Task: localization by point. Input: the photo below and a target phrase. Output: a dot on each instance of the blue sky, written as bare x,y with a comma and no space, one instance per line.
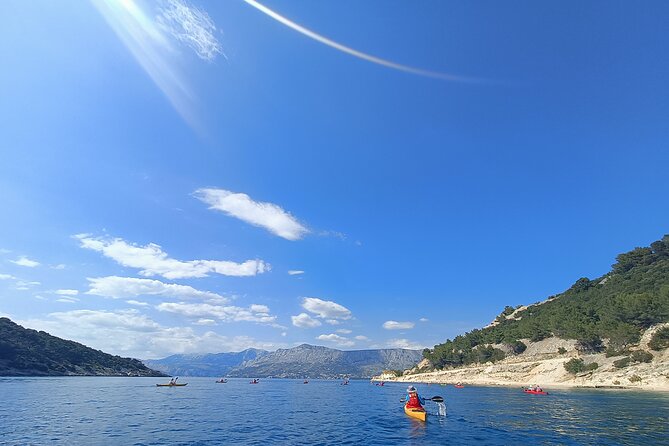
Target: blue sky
165,165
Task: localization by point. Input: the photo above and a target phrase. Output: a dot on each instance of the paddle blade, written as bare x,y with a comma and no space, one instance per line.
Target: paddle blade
437,399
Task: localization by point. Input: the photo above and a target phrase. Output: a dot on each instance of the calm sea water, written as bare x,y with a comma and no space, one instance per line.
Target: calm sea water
126,411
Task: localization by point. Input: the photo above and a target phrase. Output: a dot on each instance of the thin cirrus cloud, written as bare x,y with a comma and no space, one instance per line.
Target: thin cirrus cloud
295,272
67,292
257,213
394,325
353,52
129,287
153,261
25,261
152,32
191,26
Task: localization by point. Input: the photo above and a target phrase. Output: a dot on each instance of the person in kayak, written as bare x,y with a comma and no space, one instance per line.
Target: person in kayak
413,400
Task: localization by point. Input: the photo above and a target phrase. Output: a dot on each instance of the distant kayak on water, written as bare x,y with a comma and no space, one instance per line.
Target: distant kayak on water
222,381
171,385
535,392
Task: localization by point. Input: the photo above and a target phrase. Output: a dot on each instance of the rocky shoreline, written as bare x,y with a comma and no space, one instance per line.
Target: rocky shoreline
542,364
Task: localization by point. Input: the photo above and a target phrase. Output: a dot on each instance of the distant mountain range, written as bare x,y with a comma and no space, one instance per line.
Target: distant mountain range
304,361
25,352
210,364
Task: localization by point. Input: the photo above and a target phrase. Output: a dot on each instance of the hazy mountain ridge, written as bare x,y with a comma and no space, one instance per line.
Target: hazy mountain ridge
26,352
322,362
207,364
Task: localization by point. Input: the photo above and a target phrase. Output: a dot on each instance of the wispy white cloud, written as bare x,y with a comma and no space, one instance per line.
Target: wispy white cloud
67,300
130,333
152,260
257,213
295,272
423,319
340,341
362,338
394,325
151,34
7,277
25,261
67,292
344,331
404,343
59,266
191,26
224,313
129,287
303,320
25,284
326,308
332,321
205,322
137,303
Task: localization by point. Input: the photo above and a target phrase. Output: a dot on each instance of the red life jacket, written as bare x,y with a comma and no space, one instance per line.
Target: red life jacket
413,402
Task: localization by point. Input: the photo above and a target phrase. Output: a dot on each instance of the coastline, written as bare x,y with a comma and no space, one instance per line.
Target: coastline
544,366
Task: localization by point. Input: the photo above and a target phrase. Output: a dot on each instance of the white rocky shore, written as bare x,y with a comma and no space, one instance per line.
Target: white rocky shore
542,364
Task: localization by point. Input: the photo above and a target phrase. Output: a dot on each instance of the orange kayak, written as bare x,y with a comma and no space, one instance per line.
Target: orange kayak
416,412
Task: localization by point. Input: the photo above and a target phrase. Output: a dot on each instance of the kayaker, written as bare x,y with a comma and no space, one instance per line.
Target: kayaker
413,400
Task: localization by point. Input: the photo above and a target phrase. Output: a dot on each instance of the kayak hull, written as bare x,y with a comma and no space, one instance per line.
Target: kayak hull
459,387
535,392
418,414
171,385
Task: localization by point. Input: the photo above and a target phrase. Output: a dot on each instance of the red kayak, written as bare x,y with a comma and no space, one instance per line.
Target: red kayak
459,387
535,392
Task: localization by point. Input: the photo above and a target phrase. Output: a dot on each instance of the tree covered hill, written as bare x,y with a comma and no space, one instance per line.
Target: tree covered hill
25,352
617,306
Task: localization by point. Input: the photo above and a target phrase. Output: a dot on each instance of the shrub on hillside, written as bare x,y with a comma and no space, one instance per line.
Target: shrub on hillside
577,365
562,350
660,339
574,366
641,356
518,347
592,366
590,344
622,362
611,351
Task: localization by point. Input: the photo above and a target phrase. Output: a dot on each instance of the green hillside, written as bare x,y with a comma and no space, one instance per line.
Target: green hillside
617,306
25,352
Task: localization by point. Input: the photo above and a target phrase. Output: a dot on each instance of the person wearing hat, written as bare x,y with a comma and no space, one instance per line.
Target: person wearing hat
413,400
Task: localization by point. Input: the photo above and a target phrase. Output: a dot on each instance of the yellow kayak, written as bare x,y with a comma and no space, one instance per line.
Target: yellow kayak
416,413
171,385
